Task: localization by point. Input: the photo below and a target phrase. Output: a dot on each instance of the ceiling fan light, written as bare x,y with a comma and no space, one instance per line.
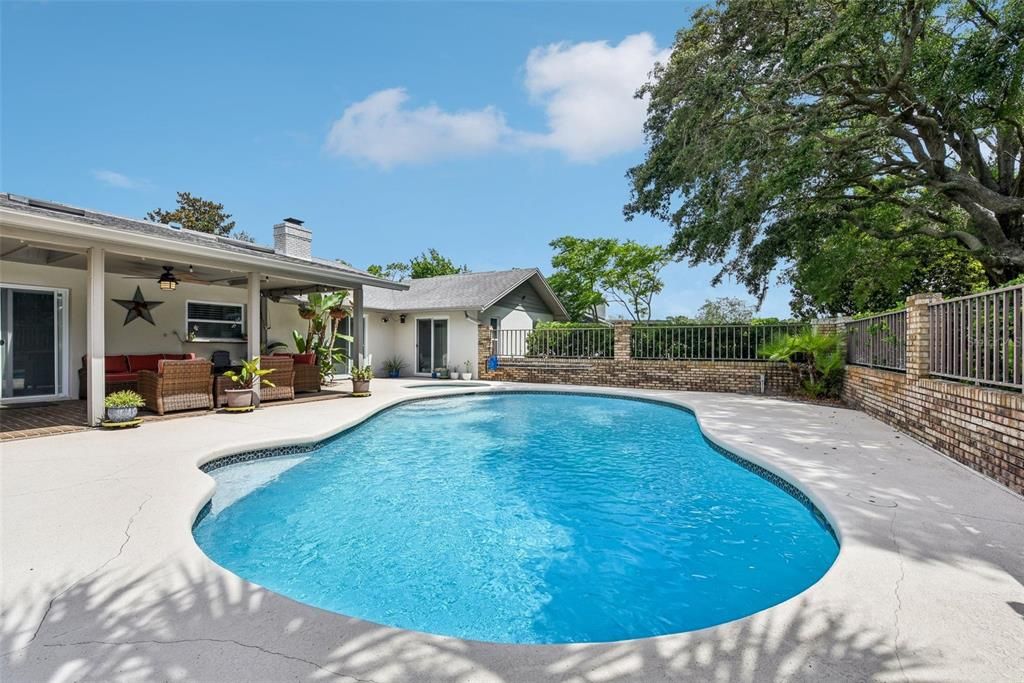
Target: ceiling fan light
167,280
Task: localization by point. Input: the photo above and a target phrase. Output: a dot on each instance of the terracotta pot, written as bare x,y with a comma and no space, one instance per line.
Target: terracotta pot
360,386
339,313
239,398
307,313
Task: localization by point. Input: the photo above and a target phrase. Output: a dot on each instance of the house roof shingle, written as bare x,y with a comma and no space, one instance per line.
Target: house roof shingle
465,291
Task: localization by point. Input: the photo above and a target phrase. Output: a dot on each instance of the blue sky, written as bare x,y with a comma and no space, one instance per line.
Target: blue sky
481,129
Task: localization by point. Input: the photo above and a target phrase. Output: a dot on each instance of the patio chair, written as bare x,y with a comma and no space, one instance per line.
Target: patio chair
307,374
177,385
283,378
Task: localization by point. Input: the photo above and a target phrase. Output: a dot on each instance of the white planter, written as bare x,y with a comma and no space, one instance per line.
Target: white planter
467,376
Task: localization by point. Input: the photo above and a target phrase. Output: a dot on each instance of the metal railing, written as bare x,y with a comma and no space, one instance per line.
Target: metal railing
978,338
556,342
879,341
705,342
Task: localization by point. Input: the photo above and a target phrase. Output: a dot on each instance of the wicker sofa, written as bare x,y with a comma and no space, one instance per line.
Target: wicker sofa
177,385
122,370
282,377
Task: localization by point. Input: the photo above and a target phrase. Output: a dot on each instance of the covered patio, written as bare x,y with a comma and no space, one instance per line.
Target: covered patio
78,288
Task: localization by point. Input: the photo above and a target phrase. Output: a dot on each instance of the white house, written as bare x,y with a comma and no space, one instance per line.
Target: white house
77,285
435,322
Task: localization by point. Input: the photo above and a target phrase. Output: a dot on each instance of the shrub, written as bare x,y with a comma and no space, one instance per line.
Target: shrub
123,399
817,357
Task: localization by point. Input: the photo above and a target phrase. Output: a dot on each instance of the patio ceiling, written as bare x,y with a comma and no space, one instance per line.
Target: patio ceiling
39,252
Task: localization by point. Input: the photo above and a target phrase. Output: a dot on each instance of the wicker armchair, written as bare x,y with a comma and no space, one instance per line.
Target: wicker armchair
307,373
282,377
177,385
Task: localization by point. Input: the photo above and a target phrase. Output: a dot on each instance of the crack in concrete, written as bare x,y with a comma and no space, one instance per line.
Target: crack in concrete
896,594
55,598
273,653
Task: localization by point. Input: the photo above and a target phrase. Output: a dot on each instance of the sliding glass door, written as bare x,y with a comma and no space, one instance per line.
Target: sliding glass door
431,344
33,343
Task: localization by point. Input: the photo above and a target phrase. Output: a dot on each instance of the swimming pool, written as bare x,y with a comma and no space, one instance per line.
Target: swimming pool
520,518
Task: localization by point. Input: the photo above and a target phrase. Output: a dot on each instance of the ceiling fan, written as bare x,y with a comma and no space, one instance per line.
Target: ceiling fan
169,280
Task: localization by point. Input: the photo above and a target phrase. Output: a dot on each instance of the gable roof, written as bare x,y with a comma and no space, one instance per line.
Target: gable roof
465,291
186,238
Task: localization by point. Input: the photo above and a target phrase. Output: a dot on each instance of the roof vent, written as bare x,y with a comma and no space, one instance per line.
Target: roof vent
291,239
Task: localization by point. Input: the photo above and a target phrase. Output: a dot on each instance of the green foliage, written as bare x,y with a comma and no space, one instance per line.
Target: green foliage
394,364
775,124
726,310
849,271
818,358
579,266
322,334
590,272
123,399
428,264
362,373
201,215
431,264
250,372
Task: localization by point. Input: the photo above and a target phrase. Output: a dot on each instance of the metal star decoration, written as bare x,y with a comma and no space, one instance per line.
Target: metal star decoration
138,307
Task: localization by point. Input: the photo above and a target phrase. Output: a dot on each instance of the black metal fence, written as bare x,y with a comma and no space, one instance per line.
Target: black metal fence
879,341
555,342
979,338
706,342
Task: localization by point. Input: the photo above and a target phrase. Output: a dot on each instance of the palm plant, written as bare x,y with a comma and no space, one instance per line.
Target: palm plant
818,359
249,373
322,332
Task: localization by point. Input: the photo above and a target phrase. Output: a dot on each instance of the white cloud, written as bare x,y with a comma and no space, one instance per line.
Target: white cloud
586,90
115,179
381,130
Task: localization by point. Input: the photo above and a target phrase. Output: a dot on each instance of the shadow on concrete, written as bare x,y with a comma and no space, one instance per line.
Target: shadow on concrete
209,625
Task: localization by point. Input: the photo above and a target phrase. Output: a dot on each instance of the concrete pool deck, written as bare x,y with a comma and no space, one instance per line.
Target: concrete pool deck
101,579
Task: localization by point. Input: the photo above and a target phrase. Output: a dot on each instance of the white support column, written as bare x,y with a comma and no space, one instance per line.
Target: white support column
253,324
95,335
359,339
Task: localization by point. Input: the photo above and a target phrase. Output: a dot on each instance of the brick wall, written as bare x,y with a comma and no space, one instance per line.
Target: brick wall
623,371
981,428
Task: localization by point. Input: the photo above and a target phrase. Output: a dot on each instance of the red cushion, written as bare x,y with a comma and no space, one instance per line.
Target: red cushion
121,377
148,362
304,358
116,364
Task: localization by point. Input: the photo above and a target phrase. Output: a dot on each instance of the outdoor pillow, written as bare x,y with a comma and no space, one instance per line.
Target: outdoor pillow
147,362
303,358
114,364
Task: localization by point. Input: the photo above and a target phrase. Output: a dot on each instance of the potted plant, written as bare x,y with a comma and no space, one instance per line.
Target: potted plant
394,366
468,374
306,313
123,406
243,396
362,373
338,313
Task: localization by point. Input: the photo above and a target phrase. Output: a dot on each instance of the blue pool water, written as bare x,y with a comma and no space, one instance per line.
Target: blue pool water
522,518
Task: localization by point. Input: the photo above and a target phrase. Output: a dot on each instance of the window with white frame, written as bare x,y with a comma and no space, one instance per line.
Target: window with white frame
215,321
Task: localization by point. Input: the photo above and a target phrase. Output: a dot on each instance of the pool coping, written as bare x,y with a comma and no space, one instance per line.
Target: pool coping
883,610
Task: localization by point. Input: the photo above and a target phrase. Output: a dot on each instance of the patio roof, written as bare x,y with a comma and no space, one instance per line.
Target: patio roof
61,224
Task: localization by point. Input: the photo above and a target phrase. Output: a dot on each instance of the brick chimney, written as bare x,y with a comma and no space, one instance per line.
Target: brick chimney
291,239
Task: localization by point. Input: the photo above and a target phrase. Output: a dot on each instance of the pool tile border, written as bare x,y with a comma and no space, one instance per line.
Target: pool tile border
302,448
